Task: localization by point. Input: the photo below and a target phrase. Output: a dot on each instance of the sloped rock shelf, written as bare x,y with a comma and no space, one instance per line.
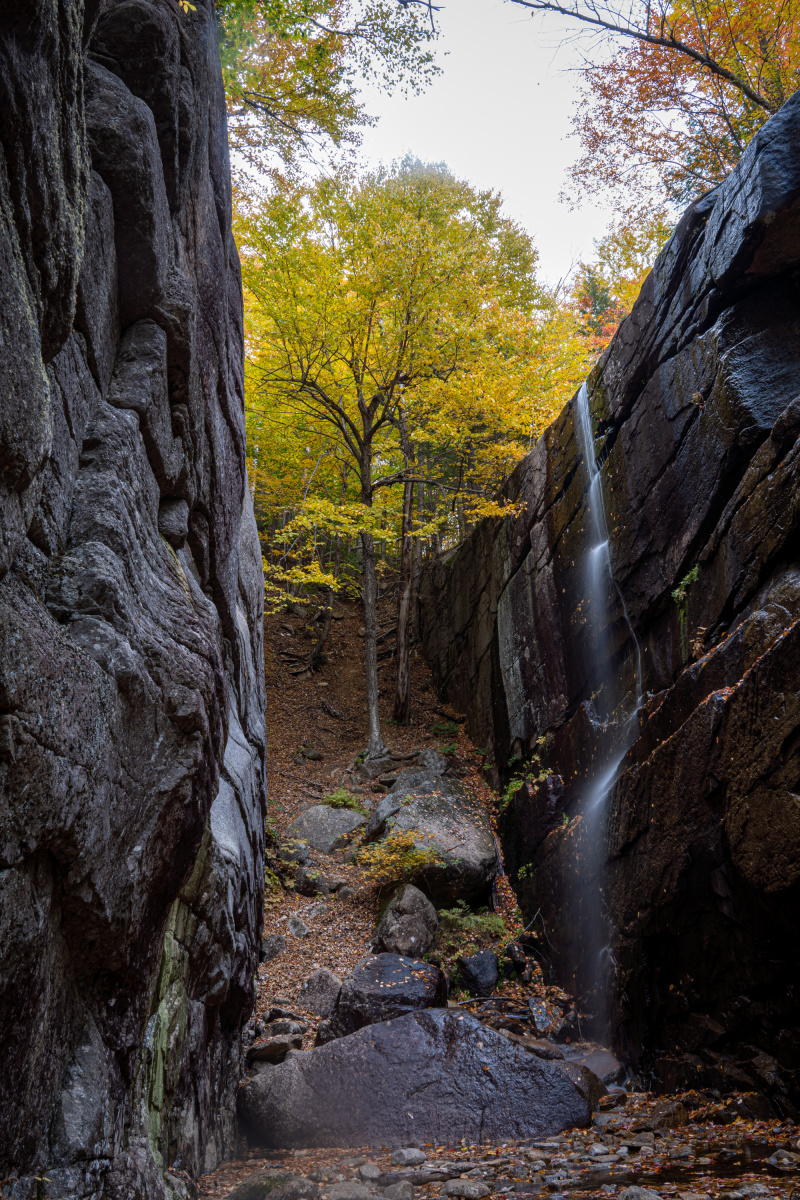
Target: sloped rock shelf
694,414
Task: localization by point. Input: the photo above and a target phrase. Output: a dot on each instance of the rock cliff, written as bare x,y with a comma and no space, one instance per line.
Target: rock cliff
696,415
132,736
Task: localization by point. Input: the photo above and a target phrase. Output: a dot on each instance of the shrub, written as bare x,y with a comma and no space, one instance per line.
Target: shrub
463,932
342,799
398,858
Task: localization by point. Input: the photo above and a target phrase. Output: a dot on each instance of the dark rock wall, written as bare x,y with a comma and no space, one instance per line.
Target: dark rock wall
132,738
696,412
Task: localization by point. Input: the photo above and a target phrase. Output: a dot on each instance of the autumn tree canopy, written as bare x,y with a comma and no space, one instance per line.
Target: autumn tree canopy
684,88
292,69
398,327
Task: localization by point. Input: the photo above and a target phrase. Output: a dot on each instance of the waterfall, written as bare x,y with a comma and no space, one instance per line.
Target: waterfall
613,710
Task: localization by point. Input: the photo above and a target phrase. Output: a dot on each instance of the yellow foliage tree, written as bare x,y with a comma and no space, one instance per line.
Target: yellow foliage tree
398,327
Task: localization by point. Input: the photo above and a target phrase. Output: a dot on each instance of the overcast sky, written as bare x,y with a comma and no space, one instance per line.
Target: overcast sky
499,116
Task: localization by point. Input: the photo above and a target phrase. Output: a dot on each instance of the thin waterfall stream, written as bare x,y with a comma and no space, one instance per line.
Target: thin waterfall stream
615,684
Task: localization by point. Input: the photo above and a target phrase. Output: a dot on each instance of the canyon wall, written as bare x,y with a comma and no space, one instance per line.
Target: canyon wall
132,740
696,415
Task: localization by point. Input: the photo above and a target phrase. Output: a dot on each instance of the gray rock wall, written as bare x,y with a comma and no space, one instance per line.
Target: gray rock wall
132,739
696,416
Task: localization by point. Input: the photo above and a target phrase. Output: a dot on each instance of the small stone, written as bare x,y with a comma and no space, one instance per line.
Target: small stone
336,884
409,1156
598,1148
297,928
465,1189
638,1193
272,946
316,911
399,1191
346,893
369,1172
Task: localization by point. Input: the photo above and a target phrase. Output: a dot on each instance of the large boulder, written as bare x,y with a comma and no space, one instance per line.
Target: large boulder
384,986
432,1076
408,925
456,827
324,828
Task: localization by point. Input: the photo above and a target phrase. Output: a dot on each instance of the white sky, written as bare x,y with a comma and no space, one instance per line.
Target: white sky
499,116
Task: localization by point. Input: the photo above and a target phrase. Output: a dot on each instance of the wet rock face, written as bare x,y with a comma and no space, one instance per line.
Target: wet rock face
131,677
695,416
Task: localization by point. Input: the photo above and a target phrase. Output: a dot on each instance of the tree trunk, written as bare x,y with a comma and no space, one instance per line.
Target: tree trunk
315,656
416,570
375,745
402,699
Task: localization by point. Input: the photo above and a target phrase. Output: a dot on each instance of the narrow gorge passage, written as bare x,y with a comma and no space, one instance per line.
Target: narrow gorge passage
547,945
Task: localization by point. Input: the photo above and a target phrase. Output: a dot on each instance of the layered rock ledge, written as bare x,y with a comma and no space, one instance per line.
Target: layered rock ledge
696,423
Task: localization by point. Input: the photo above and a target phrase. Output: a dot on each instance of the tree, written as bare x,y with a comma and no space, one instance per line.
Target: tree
684,91
399,316
290,70
605,290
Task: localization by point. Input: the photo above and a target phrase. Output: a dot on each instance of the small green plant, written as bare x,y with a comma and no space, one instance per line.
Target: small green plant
463,932
399,858
564,820
342,799
680,595
524,872
444,728
272,888
448,748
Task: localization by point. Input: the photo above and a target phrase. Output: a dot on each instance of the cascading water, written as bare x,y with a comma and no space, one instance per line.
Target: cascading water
615,689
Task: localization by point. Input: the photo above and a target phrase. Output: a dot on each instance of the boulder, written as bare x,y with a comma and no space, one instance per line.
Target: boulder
408,1156
308,881
479,972
466,1189
432,1076
349,1189
324,828
320,992
435,764
457,827
271,946
385,986
408,925
403,1190
294,850
277,1185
